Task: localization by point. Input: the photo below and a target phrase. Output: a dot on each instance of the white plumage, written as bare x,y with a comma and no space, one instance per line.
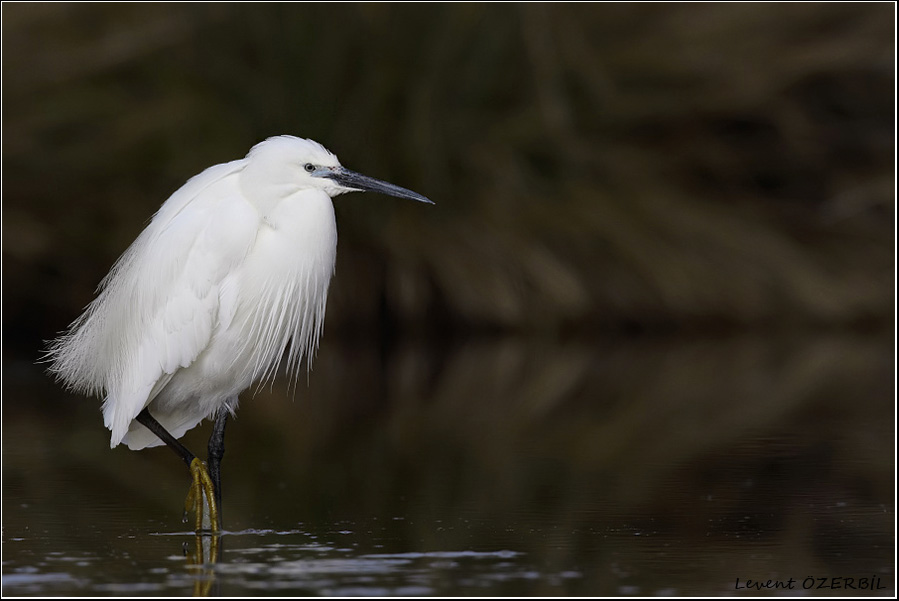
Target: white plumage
232,270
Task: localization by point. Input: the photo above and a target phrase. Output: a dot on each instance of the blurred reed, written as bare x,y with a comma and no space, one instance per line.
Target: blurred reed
620,167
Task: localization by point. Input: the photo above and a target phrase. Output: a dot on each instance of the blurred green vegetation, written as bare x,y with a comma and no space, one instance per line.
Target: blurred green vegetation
595,167
599,170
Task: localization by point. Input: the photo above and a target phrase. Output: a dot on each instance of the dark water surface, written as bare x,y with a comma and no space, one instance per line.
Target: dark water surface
502,467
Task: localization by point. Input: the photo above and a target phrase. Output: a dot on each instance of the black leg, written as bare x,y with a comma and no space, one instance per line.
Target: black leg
216,452
203,492
156,428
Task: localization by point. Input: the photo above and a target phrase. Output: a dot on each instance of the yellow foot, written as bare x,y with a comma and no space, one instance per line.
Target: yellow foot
203,559
201,498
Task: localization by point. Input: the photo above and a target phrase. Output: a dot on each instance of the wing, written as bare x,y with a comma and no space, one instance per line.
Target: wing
159,305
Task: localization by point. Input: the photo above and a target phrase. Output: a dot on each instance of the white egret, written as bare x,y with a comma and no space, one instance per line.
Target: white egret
232,271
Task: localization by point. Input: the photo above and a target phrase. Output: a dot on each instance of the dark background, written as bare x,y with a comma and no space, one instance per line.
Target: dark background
595,167
645,336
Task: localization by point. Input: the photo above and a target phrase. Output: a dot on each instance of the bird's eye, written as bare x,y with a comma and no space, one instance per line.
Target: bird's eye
309,167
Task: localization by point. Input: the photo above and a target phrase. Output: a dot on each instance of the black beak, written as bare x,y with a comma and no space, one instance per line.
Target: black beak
363,183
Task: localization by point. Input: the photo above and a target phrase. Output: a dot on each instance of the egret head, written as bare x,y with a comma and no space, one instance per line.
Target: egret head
292,164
